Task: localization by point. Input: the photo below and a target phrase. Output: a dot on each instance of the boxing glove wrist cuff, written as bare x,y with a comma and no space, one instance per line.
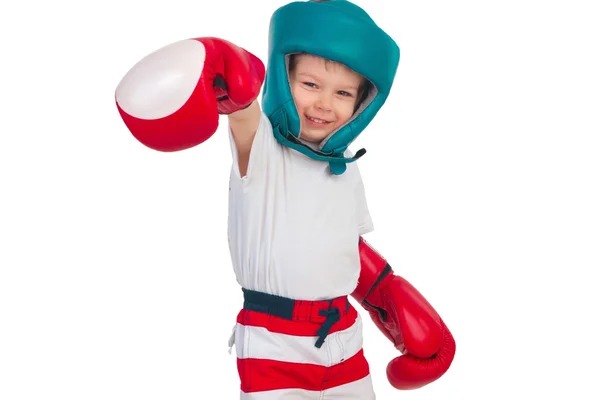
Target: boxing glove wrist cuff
373,270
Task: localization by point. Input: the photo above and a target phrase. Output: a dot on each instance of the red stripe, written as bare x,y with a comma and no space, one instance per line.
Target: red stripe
310,310
258,375
296,328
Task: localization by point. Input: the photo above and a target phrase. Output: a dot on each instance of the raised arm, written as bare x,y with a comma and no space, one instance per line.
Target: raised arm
243,125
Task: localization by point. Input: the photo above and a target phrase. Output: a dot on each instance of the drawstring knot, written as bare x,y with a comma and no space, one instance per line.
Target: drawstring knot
332,315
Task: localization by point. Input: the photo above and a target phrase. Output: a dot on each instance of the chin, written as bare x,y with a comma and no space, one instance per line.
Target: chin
312,138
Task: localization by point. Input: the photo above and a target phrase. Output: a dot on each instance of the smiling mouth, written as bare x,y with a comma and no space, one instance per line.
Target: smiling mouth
317,120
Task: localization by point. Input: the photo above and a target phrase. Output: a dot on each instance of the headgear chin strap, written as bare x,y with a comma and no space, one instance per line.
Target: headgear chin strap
340,31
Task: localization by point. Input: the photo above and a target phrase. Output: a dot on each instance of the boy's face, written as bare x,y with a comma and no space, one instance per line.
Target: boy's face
325,94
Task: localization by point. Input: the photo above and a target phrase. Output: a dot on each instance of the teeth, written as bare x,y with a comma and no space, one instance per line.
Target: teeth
320,121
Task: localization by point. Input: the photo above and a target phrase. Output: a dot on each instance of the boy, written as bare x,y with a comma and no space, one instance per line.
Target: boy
293,231
297,209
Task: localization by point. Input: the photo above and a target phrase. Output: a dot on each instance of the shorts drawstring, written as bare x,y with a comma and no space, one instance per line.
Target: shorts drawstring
332,316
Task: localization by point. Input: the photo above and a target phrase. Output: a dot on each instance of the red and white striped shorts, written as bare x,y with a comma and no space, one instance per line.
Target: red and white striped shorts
300,350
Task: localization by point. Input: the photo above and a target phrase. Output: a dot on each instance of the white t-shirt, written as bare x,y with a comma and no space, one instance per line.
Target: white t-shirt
293,226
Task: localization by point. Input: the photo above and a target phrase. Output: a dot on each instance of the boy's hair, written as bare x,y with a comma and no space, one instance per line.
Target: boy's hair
363,89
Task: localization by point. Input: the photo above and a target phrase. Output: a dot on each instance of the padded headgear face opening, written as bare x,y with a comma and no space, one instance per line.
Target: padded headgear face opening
367,92
336,30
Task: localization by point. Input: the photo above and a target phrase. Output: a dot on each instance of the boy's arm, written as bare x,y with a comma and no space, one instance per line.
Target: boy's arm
243,125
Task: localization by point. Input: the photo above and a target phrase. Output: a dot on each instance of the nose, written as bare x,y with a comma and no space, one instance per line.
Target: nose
323,102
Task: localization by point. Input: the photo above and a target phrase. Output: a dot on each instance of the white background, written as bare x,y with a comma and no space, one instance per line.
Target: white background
482,176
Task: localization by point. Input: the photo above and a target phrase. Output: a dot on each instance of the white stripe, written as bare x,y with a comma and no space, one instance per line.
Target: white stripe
361,389
258,342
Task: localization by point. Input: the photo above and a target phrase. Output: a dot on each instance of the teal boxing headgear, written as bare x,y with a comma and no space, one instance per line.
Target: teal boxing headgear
340,31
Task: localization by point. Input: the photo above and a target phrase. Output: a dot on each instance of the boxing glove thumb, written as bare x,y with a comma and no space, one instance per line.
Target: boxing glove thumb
238,75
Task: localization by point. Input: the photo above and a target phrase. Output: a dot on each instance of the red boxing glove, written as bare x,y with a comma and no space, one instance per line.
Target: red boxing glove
407,319
171,99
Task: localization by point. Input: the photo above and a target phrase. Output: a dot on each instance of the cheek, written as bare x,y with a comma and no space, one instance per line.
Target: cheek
299,97
345,111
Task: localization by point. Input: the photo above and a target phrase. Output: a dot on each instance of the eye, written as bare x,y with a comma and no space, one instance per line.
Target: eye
344,93
310,84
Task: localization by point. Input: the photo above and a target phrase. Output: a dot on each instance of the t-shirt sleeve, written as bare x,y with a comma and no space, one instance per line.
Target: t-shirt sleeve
264,147
363,217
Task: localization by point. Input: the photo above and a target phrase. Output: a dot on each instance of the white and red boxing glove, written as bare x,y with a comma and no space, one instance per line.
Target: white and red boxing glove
405,318
172,98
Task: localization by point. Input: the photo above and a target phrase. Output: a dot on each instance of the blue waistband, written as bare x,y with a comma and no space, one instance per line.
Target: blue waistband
326,311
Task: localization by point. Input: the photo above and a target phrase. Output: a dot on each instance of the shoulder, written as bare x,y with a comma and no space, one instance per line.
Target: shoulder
265,151
264,132
352,169
265,123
